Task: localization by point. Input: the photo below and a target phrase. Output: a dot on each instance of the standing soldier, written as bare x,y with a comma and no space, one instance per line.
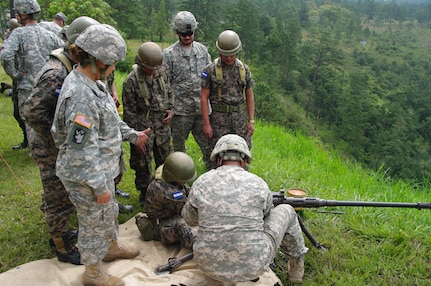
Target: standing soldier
185,60
29,46
88,133
148,103
55,25
166,196
39,111
227,84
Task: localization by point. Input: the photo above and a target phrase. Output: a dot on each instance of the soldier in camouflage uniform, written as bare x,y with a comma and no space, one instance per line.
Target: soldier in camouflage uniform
88,132
55,26
185,60
29,46
231,96
239,228
166,196
148,103
39,111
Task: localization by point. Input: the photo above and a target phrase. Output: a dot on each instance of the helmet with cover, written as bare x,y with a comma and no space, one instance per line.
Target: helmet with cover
26,6
228,43
13,24
184,22
61,17
178,167
78,26
231,147
149,55
102,42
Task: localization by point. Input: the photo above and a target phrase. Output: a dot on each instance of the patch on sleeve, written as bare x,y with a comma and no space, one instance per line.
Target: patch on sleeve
204,75
57,90
80,131
178,195
83,120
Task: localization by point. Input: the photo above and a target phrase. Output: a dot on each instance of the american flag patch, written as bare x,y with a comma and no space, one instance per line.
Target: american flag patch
178,195
83,120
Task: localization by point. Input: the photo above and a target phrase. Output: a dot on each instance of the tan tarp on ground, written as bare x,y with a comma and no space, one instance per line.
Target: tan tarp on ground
138,271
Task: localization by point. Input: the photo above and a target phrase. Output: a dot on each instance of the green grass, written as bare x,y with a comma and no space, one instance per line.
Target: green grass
366,246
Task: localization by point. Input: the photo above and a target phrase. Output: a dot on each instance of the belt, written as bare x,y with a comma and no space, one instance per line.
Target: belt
228,108
153,114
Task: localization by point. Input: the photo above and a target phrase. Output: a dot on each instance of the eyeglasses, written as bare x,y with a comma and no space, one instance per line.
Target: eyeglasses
186,34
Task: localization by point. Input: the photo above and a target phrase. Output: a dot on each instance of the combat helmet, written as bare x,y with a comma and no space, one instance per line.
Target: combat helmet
231,147
149,55
228,43
178,167
184,22
102,42
26,6
78,26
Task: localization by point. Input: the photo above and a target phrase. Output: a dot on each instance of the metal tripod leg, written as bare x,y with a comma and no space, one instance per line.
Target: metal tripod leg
317,244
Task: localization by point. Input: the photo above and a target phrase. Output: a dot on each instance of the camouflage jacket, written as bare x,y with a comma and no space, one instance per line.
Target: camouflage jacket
30,46
39,108
134,104
232,85
164,200
229,205
184,73
88,132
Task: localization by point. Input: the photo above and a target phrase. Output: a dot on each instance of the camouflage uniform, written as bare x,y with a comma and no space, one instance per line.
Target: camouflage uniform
51,26
30,46
163,206
39,111
223,121
88,133
140,117
239,230
184,77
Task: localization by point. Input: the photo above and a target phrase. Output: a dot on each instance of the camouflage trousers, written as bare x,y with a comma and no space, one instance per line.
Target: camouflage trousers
283,229
181,126
16,115
98,223
56,204
175,229
158,144
23,94
228,123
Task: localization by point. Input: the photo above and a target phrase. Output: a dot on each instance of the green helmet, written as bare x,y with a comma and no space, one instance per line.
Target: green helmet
178,167
184,22
228,43
78,26
13,23
231,147
26,6
149,55
102,42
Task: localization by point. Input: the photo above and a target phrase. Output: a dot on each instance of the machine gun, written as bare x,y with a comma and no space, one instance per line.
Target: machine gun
304,202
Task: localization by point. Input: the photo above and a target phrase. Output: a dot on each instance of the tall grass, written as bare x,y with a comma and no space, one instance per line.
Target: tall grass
365,246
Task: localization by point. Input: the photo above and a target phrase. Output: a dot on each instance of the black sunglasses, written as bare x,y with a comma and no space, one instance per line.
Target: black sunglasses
186,34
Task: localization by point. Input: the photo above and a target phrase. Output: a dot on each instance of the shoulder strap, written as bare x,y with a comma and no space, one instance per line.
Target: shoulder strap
142,86
219,76
58,53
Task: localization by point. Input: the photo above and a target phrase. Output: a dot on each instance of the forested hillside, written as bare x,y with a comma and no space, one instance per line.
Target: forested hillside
352,73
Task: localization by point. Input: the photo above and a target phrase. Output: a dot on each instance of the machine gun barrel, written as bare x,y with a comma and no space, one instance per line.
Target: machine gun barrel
280,198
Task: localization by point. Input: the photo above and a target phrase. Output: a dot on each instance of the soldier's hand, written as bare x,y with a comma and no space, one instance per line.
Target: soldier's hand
208,131
168,117
103,198
142,139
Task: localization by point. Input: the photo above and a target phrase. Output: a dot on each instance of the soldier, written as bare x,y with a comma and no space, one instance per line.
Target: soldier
12,25
185,60
26,51
39,111
55,25
166,196
88,132
239,229
148,103
227,84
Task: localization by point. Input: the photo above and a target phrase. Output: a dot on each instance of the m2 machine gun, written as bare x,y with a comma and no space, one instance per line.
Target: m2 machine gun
298,200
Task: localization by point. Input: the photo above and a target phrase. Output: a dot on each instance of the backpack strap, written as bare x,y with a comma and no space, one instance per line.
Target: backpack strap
58,53
219,76
142,88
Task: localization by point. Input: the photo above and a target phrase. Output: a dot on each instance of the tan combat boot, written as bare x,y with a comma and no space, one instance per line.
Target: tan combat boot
118,251
295,269
95,276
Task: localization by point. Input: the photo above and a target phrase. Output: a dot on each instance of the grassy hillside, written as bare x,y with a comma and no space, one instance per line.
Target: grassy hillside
366,246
